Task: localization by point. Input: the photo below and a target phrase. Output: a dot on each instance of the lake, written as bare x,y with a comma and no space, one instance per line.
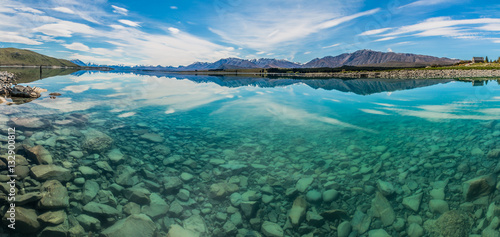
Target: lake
250,156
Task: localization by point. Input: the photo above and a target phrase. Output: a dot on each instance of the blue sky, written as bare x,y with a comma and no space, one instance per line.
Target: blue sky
169,32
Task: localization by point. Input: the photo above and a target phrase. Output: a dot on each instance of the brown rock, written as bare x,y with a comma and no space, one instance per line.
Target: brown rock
39,154
478,187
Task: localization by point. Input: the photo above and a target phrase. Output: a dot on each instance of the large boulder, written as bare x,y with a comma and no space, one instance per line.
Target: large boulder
298,211
96,141
132,226
99,209
45,172
54,195
26,220
39,154
478,187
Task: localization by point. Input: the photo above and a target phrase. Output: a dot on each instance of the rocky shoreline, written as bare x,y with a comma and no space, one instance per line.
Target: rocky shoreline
393,74
9,88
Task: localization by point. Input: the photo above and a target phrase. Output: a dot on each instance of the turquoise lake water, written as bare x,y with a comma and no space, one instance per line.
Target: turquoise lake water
261,132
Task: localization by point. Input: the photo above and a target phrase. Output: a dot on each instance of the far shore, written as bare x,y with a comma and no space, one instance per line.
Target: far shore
475,74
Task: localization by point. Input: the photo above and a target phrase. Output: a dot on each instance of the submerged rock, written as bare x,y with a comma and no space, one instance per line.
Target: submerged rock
413,202
177,231
26,220
478,187
30,123
382,208
96,141
100,209
450,224
271,229
39,154
132,226
45,172
298,210
53,217
54,195
303,184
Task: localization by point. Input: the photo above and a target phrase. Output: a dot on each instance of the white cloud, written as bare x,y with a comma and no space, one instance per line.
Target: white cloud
65,29
490,27
264,25
77,46
389,50
331,46
13,37
129,23
76,89
119,10
385,39
173,7
63,10
375,32
426,3
173,30
30,10
441,26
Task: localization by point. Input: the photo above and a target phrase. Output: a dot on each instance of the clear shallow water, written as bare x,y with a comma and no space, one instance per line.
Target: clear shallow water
256,133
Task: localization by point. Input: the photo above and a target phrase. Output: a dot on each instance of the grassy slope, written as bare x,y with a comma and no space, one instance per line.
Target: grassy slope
478,66
13,56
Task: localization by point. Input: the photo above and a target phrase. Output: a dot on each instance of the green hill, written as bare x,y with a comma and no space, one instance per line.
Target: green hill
13,56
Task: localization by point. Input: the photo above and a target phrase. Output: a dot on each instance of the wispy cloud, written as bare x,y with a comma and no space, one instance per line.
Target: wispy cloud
120,10
420,3
129,23
77,46
264,25
63,10
441,26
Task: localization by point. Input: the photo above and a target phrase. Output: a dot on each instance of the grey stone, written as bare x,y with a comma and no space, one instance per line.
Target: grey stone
132,226
382,208
116,156
344,229
88,172
271,229
157,207
45,172
53,217
385,188
303,184
330,195
183,195
96,141
25,219
378,233
89,222
438,206
195,223
90,190
100,209
415,230
413,202
298,210
137,194
313,196
54,195
172,184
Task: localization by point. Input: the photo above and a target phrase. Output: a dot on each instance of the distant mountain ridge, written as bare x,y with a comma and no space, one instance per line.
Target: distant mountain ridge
359,58
23,57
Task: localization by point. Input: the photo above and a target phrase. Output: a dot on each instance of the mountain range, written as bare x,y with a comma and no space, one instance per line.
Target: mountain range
359,58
